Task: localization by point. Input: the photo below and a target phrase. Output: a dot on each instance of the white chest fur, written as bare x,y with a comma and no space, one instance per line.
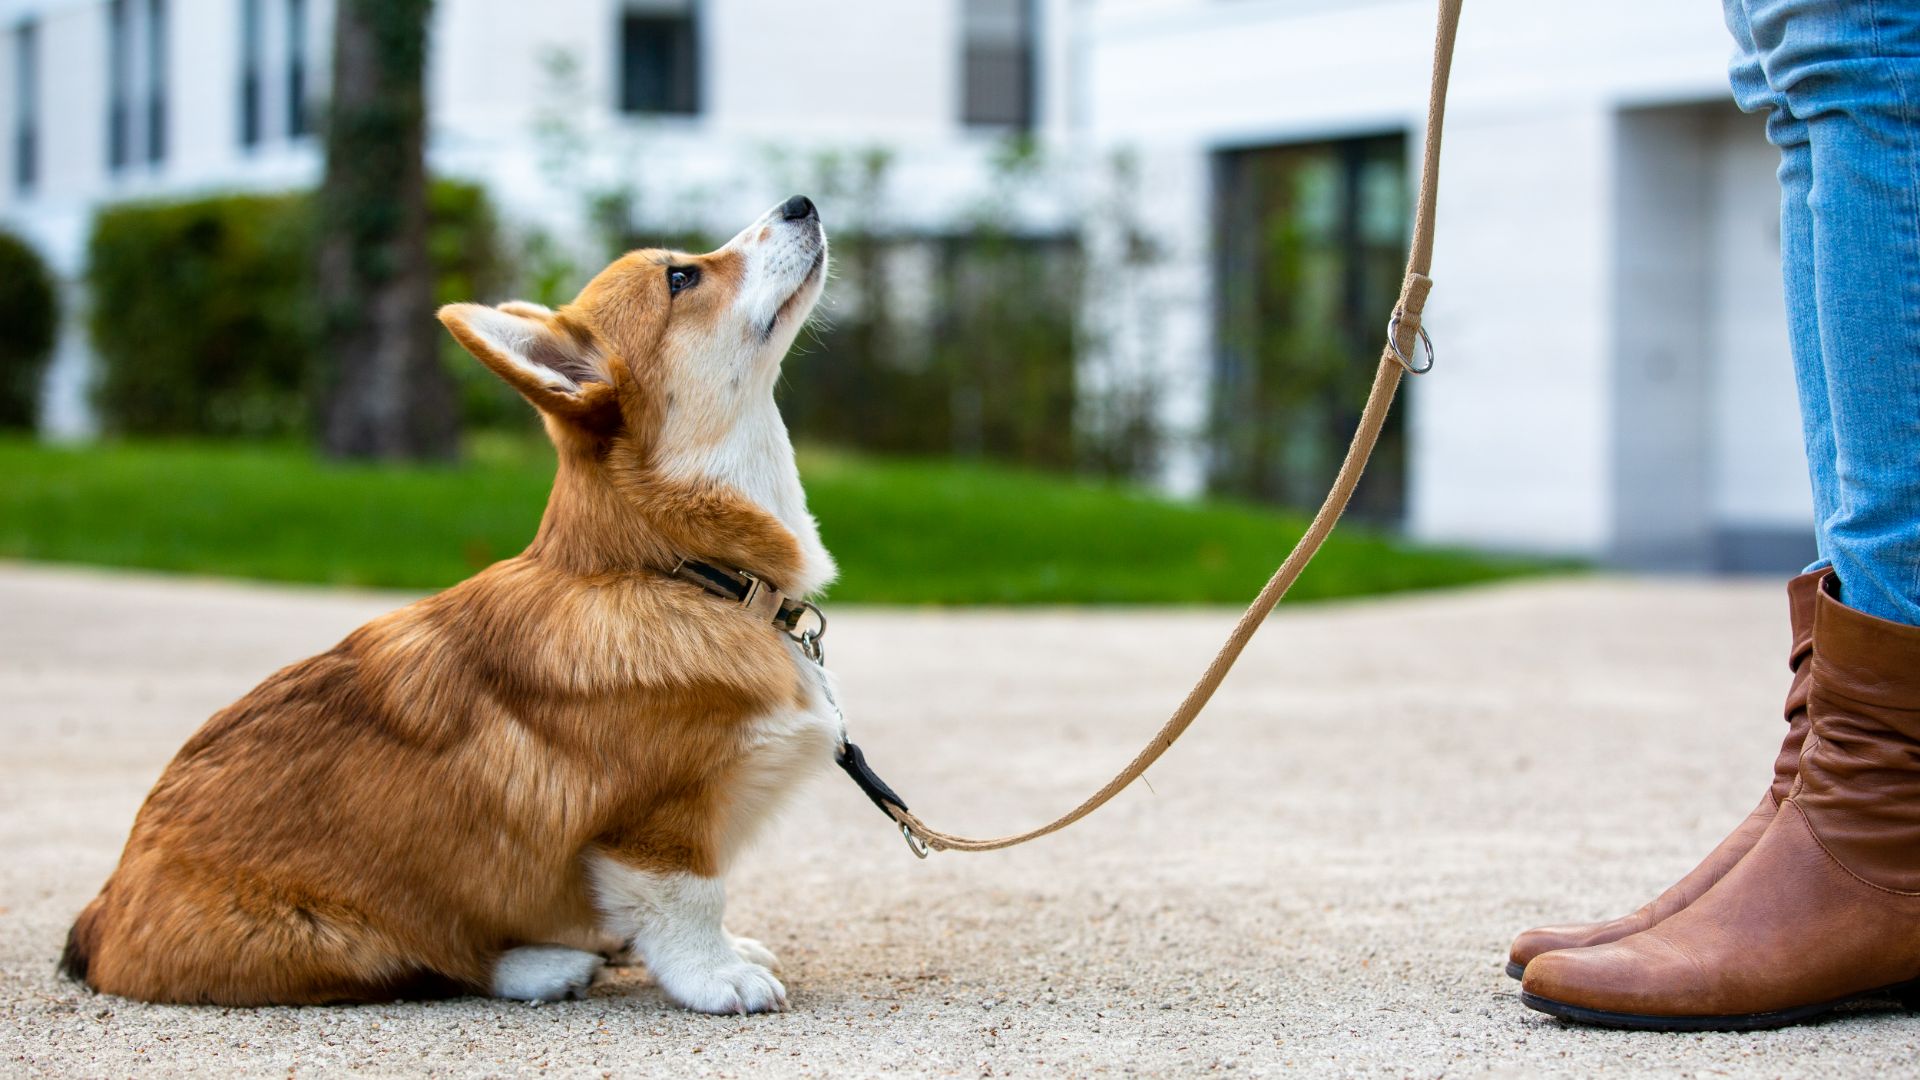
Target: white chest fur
782,749
755,457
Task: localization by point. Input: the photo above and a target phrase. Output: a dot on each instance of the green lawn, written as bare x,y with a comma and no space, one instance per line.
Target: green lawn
904,531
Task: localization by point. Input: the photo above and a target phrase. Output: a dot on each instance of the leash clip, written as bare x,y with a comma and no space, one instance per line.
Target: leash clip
811,641
849,758
1393,343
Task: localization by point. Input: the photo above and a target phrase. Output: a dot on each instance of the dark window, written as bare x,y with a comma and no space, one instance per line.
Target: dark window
997,63
156,80
660,60
298,121
119,84
252,49
26,105
1310,244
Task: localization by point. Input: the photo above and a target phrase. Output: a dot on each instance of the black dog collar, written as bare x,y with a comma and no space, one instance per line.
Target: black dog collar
749,591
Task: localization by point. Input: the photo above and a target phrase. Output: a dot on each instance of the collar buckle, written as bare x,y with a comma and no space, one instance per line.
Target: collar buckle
762,600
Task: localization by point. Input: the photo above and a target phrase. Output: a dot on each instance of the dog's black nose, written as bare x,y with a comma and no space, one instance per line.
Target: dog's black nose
797,208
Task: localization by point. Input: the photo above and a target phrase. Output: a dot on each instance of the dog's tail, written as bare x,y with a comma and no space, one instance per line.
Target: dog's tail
78,954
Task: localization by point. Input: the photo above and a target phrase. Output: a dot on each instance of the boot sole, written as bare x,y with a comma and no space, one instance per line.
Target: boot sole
1906,993
1516,970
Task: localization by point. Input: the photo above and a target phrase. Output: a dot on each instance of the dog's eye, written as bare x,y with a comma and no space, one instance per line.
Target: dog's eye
681,277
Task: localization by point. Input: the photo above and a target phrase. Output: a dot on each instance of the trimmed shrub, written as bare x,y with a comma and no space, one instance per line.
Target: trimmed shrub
204,313
29,322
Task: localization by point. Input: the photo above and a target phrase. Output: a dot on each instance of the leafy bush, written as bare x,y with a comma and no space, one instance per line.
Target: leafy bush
204,315
29,319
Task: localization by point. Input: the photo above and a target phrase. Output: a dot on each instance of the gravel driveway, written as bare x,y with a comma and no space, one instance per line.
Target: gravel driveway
1321,879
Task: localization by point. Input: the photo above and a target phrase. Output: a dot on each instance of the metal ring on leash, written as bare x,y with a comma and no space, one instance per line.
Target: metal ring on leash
810,640
913,842
1393,342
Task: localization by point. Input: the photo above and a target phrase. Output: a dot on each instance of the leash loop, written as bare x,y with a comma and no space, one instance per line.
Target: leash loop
1393,342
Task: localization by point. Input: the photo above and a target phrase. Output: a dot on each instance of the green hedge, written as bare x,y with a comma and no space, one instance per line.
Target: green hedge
204,315
29,321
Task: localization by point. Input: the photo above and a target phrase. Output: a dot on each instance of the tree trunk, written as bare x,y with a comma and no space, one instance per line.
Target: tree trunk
388,395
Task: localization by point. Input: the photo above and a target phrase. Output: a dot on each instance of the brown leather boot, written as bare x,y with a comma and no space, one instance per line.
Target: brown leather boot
1800,594
1826,907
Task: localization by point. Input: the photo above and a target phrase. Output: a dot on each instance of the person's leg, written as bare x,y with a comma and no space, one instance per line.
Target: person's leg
1753,94
1787,132
1826,907
1850,76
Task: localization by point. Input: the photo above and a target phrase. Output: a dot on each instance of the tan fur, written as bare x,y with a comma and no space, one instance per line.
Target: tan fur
388,817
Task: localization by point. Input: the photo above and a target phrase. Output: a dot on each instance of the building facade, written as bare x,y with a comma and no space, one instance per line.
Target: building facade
700,113
1613,379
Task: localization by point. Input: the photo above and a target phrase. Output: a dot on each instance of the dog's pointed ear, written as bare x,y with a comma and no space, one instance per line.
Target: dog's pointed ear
555,365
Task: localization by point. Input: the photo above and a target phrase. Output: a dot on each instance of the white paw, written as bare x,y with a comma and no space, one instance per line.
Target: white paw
544,973
731,988
755,953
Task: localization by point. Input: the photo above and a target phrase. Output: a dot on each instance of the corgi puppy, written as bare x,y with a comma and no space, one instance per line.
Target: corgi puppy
484,791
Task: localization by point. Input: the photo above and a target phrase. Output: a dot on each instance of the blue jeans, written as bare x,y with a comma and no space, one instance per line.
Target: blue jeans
1840,80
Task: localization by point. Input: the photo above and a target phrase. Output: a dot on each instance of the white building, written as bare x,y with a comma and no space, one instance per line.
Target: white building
710,109
1613,379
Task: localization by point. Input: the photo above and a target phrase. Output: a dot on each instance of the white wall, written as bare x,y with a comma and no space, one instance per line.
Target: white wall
202,151
1709,468
780,82
1756,421
783,85
72,46
1511,434
57,214
202,144
1517,441
1662,363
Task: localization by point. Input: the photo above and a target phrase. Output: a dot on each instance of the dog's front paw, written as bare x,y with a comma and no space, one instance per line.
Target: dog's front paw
755,953
742,988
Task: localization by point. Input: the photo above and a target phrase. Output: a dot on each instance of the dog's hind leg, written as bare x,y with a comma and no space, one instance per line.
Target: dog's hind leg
544,973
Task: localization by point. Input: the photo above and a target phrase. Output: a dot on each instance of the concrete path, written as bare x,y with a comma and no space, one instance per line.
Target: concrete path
1322,878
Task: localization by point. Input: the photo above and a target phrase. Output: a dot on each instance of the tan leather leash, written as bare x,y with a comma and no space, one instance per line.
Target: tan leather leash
1403,331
